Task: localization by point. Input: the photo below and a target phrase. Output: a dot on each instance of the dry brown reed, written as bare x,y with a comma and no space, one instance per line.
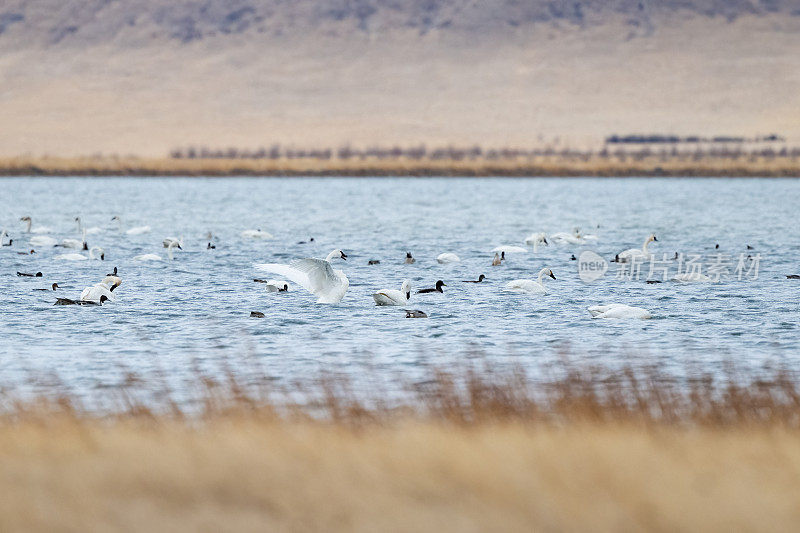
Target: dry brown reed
472,449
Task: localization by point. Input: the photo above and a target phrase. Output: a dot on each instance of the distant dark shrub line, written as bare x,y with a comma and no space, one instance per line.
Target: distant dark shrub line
473,153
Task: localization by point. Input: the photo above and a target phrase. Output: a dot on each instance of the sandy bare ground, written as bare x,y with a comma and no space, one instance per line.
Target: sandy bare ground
541,85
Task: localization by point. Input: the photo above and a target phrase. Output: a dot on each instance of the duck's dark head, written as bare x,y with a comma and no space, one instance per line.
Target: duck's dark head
38,274
481,277
439,285
502,256
408,255
55,286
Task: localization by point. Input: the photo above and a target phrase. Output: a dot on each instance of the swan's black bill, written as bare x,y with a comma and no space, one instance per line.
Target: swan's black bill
552,276
344,256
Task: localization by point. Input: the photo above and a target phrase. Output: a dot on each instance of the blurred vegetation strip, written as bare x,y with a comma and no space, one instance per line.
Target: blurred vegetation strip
420,161
473,394
476,448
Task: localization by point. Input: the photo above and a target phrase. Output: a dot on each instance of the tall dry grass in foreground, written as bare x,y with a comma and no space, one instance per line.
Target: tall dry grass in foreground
469,450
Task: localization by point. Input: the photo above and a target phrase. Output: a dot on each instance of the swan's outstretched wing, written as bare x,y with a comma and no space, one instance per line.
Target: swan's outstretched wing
320,275
314,275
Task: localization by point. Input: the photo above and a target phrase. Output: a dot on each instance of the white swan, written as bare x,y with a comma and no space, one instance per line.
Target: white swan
166,242
103,288
43,240
277,286
138,230
393,296
563,237
692,277
528,285
510,249
618,311
75,243
256,234
447,258
314,275
40,229
80,257
87,231
156,257
535,239
635,253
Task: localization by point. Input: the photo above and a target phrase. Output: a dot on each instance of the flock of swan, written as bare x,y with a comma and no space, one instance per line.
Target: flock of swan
326,283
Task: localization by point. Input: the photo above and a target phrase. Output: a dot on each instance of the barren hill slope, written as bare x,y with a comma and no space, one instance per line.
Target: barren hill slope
143,76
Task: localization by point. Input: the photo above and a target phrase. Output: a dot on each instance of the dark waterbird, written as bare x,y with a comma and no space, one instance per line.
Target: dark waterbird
480,278
438,288
410,260
54,286
415,313
792,276
256,314
67,301
26,275
374,262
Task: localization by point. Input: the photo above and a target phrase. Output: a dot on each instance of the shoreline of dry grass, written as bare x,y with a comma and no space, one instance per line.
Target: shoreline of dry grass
472,449
544,166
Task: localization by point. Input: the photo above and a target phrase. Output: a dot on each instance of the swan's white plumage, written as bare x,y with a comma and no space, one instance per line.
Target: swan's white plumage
692,277
256,234
393,296
447,257
274,285
618,311
314,275
147,257
139,230
511,249
93,293
530,286
635,253
81,257
43,240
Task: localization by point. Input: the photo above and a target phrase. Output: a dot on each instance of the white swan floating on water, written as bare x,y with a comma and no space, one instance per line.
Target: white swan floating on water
256,234
87,231
314,275
536,239
43,240
101,255
393,296
29,229
156,257
75,243
103,288
618,311
138,230
529,286
447,257
634,253
692,277
508,249
277,286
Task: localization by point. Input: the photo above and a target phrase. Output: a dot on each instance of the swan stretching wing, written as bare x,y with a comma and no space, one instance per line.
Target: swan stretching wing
314,275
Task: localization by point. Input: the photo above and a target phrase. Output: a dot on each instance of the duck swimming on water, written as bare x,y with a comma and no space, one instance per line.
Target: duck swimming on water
438,288
26,275
54,286
480,278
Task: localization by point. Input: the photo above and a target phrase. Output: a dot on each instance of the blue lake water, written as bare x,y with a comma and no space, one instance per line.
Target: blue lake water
194,311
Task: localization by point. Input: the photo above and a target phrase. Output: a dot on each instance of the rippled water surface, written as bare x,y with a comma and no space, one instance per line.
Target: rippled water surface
194,311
